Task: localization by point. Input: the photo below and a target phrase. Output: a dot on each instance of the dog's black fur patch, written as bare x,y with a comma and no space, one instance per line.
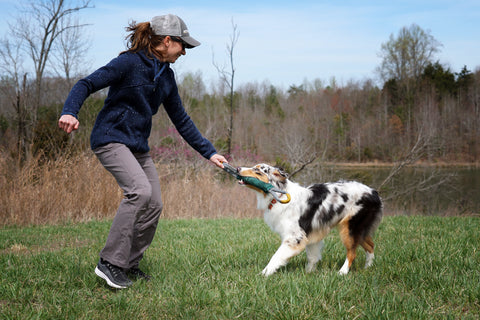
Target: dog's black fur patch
360,225
320,193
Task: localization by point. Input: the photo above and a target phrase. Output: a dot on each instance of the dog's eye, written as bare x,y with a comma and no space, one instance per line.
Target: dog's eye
258,172
279,175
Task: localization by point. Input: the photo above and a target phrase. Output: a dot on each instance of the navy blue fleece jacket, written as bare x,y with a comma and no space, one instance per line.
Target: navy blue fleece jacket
138,85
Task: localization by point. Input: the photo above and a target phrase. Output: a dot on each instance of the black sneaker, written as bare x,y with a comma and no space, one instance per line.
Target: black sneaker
115,276
136,273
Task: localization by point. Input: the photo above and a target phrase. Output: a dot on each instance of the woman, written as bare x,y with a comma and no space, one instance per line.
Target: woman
140,79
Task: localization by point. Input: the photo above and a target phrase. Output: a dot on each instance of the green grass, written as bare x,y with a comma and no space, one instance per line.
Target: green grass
426,268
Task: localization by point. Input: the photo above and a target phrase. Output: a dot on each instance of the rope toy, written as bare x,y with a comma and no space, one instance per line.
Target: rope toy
265,187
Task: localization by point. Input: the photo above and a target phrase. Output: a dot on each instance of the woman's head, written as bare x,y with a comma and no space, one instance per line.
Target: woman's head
172,25
165,37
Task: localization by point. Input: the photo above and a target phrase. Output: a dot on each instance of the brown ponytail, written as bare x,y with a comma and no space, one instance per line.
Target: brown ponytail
141,37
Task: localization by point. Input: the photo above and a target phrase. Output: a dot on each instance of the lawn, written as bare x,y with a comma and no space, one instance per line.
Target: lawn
426,267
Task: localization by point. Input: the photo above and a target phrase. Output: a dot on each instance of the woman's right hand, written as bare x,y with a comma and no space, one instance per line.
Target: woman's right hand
68,123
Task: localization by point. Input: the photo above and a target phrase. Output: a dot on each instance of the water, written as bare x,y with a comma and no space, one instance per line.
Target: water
415,190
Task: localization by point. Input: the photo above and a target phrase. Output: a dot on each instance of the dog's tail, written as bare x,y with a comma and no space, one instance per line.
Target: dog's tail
368,218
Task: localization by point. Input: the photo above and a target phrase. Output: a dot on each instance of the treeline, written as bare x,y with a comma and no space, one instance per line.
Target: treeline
357,121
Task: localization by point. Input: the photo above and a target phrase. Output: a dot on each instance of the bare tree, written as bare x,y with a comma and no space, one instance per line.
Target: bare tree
299,150
70,51
11,58
228,78
42,23
423,143
36,30
11,65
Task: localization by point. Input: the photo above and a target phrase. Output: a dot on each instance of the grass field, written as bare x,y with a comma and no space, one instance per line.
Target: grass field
426,268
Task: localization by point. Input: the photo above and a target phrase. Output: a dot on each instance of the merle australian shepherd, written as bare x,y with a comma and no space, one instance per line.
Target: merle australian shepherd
303,222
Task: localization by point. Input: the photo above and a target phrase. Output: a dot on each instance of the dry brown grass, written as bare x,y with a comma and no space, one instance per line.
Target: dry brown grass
80,189
202,194
76,189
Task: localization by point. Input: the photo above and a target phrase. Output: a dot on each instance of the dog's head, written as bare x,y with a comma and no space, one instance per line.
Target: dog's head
265,173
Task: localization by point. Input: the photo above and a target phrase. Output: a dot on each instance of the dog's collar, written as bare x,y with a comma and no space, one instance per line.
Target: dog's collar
270,205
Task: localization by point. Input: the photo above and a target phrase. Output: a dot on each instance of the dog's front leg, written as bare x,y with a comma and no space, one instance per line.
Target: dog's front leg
289,248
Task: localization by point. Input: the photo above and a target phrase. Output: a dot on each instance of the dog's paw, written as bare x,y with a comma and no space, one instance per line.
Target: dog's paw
309,268
268,271
369,260
345,268
343,271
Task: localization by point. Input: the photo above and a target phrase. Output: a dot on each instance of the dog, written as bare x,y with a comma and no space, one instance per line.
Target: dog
312,212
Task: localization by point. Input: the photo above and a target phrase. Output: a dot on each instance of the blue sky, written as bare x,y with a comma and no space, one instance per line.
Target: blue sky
287,42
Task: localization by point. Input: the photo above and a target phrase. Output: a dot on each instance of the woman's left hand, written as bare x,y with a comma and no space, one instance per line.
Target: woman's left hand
218,160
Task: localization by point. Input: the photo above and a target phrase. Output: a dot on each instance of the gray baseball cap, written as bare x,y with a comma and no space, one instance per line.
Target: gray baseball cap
172,25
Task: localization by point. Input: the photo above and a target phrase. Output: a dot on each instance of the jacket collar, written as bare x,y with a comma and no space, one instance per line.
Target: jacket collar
159,68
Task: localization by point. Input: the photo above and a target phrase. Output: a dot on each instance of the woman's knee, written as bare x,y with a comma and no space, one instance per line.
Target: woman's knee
156,205
141,194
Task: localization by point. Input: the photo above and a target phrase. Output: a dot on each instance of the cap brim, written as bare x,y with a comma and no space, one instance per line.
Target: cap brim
191,43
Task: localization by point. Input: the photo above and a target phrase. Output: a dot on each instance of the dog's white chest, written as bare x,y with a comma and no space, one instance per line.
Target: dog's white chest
281,221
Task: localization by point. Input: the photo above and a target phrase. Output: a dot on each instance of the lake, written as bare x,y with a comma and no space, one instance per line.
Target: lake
415,190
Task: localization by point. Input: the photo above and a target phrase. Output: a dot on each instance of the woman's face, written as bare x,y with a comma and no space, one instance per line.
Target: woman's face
174,49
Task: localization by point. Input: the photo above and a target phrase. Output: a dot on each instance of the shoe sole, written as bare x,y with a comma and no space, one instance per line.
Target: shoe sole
102,275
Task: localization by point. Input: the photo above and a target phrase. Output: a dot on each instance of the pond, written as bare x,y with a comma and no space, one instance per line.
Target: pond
415,190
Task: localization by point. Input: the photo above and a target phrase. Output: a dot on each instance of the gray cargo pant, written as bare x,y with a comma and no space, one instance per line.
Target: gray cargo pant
135,223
